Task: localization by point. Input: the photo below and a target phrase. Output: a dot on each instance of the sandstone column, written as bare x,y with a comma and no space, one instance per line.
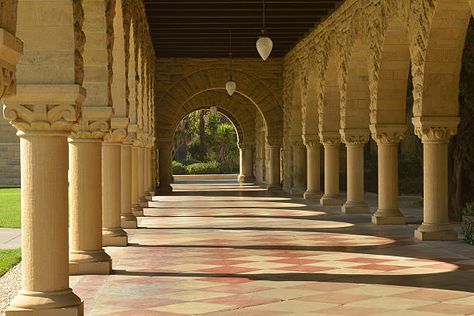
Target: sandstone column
136,208
355,139
128,220
165,171
435,133
274,164
313,165
112,232
141,174
86,255
246,163
331,142
44,196
288,162
299,168
388,137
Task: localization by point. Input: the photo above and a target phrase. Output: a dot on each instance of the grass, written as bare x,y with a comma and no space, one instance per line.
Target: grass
8,258
10,208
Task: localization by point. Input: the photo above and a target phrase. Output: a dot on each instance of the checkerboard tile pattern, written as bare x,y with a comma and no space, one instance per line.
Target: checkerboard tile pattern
207,255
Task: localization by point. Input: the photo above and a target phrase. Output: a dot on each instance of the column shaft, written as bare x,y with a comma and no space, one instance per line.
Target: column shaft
44,211
136,208
299,169
112,232
128,220
165,171
313,165
331,175
274,164
141,174
85,248
388,212
355,180
246,165
435,189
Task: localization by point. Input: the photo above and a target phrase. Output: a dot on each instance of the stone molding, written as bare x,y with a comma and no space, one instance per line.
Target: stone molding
330,138
435,129
43,109
354,137
11,49
311,140
388,134
93,123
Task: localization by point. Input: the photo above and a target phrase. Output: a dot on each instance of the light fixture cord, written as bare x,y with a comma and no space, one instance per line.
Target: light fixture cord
230,52
263,17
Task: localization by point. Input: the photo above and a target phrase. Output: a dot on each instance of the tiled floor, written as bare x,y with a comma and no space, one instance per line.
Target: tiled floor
225,249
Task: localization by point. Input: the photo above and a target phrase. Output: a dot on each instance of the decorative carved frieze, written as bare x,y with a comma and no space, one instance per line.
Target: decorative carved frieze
435,129
44,108
352,137
330,138
93,123
11,49
311,140
118,130
388,134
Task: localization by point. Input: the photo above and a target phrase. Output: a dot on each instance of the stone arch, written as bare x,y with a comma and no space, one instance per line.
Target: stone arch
131,76
237,108
294,112
436,51
255,90
118,87
310,114
389,85
330,99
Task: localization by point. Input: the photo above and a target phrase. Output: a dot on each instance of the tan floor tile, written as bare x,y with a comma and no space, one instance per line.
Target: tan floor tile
194,295
446,308
293,306
469,300
391,303
191,308
376,290
284,293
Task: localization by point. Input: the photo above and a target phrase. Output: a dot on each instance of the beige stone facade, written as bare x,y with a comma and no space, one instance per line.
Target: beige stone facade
80,79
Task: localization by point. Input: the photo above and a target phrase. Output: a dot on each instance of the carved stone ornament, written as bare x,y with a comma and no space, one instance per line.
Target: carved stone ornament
118,130
311,141
330,138
354,137
387,134
434,129
44,108
93,123
11,49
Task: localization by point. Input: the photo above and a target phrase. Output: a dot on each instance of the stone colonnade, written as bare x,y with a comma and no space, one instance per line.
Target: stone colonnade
80,95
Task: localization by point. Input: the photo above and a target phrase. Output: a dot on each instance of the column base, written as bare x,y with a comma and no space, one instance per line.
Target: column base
355,208
388,217
128,221
89,262
246,179
312,195
164,189
297,191
137,210
58,303
331,200
114,237
441,232
274,188
144,203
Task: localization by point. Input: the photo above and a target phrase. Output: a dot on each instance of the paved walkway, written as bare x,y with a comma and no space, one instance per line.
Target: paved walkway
225,249
10,238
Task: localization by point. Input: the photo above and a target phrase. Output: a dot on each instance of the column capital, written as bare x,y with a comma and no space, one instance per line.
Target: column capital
354,136
388,133
118,130
93,123
435,129
311,140
330,138
44,109
11,49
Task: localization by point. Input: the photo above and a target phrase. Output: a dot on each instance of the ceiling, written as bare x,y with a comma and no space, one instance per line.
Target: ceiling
200,28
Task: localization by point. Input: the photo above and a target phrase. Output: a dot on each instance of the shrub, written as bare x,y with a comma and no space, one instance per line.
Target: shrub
468,230
178,168
203,168
469,209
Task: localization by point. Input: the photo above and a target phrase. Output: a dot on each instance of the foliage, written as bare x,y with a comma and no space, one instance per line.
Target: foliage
10,211
8,259
468,230
178,168
203,168
468,210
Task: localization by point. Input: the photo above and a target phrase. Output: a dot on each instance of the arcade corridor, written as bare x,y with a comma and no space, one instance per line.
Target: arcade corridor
220,248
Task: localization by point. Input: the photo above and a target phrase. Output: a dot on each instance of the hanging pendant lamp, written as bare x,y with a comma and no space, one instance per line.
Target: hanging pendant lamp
230,86
264,43
213,108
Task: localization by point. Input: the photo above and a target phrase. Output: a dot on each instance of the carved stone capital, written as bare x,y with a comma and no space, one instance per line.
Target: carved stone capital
435,129
388,134
118,130
11,49
311,140
330,138
44,109
354,137
94,123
